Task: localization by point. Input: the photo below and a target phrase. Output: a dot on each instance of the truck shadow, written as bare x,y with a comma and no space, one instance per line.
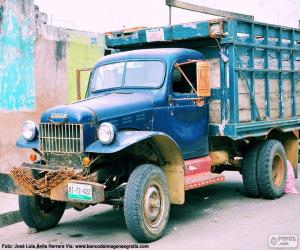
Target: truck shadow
104,223
199,204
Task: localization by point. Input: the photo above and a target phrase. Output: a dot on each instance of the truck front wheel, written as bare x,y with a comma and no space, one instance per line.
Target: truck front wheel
146,204
40,213
271,169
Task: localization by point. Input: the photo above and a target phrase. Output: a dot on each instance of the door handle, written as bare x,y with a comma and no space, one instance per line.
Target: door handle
171,100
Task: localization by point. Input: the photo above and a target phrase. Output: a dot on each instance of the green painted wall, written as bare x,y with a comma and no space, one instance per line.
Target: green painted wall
17,41
83,51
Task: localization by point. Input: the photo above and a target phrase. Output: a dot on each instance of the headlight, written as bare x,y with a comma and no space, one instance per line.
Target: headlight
29,130
106,133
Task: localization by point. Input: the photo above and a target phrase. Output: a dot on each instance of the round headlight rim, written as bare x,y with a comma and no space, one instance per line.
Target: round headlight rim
34,132
112,129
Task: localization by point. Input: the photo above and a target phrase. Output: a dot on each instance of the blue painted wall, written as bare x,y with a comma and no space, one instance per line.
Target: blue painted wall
17,41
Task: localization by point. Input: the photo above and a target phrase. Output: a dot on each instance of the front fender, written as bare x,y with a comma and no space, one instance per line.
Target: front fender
22,143
169,151
123,140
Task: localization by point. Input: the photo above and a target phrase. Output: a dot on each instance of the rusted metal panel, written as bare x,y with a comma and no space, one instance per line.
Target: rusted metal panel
218,157
8,185
60,192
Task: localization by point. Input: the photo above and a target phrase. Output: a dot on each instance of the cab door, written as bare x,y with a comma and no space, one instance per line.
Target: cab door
184,120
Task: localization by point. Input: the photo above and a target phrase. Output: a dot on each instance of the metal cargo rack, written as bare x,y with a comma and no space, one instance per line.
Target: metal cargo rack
238,44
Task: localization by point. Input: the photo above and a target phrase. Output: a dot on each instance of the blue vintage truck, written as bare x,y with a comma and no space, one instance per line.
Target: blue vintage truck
167,111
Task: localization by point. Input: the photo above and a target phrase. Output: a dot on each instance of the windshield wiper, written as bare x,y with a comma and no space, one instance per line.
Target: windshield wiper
122,92
103,90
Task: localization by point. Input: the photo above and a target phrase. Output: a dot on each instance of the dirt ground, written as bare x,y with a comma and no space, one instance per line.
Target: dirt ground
214,217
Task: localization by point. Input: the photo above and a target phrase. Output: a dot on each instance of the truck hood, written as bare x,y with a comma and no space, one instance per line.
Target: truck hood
70,113
102,107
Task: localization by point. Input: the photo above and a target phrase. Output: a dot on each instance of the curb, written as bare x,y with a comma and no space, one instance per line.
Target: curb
13,217
9,218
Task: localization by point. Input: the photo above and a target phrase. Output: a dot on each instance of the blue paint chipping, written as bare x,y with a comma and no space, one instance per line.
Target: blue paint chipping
17,41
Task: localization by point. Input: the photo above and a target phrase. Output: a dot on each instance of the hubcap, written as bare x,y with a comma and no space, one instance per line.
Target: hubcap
277,170
153,204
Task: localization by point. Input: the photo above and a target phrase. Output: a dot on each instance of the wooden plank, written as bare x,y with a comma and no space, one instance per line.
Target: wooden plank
215,111
244,98
245,111
215,78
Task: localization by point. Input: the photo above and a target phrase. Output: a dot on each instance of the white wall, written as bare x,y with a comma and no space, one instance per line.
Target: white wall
108,15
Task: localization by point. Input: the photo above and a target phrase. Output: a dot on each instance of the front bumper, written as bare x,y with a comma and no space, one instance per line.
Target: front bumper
60,192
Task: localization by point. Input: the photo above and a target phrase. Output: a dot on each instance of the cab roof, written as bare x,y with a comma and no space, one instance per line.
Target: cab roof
169,55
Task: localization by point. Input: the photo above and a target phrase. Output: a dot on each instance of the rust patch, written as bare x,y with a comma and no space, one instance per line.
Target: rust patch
9,185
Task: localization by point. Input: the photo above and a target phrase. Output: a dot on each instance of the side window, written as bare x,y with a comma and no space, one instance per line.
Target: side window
179,83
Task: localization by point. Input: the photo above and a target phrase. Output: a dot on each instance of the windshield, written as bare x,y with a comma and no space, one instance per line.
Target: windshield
145,74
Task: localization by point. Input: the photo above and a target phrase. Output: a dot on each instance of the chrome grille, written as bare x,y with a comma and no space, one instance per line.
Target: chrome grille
61,138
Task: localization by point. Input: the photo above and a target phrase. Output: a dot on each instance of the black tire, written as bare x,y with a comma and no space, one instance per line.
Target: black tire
40,213
249,172
271,170
147,181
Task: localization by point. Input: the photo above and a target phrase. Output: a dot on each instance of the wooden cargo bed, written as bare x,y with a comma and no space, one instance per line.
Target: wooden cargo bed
255,70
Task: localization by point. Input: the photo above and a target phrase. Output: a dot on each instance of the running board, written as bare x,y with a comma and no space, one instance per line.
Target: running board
201,180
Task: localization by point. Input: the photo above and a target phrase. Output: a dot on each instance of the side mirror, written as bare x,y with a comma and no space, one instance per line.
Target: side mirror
203,81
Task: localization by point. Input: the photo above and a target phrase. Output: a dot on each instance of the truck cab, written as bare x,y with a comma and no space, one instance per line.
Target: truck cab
141,119
157,122
146,92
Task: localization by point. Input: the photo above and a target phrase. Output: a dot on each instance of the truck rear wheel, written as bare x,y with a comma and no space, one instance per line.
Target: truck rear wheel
146,204
271,170
249,172
40,213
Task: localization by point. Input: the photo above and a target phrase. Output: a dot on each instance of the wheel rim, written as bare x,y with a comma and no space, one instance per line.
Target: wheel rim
153,205
277,170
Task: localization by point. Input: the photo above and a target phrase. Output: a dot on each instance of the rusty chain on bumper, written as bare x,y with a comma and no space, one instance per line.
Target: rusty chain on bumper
43,185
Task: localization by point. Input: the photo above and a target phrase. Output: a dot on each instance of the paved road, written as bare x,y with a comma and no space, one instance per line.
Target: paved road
214,217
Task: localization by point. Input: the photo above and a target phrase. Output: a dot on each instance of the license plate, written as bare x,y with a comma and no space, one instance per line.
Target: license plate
78,191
